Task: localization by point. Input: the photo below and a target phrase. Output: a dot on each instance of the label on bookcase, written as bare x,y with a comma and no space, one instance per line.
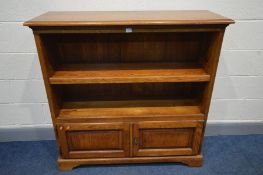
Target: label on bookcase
128,30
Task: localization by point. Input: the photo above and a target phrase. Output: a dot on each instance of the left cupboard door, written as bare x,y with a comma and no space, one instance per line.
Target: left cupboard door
94,140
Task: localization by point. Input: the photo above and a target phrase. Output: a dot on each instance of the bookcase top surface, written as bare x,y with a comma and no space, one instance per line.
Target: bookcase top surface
107,18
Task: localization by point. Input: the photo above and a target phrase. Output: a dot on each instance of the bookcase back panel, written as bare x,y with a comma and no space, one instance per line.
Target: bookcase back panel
135,91
179,47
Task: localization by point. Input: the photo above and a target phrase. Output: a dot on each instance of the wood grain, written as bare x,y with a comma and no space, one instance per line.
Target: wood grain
91,18
90,140
68,164
148,108
129,87
127,73
131,91
117,48
184,137
213,53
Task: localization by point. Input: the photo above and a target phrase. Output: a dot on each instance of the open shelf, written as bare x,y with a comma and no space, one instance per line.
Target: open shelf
129,108
128,73
128,100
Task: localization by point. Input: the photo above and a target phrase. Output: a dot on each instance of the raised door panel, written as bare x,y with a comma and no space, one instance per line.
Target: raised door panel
166,138
96,140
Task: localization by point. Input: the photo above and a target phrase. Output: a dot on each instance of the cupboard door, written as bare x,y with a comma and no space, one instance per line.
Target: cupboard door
94,140
166,138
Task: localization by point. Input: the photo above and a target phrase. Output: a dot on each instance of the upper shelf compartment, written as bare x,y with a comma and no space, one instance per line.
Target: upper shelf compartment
127,58
127,73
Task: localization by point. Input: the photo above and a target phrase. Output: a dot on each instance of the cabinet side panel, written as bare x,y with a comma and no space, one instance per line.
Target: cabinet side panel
47,70
213,54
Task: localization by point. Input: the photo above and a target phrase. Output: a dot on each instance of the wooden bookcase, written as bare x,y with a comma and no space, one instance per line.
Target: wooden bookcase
129,87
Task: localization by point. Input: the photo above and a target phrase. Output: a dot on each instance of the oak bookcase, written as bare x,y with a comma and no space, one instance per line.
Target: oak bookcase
129,87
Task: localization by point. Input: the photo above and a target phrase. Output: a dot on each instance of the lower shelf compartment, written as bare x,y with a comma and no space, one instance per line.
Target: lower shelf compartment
81,110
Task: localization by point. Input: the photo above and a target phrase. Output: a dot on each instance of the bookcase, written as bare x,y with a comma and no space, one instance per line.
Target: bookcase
129,87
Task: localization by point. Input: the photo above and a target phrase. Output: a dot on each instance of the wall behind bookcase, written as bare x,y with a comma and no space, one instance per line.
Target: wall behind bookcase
238,94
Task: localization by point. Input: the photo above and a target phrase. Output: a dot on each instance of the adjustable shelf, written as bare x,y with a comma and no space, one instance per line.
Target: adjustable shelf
127,73
129,87
83,110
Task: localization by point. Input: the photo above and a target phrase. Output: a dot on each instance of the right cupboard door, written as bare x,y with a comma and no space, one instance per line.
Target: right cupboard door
168,138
